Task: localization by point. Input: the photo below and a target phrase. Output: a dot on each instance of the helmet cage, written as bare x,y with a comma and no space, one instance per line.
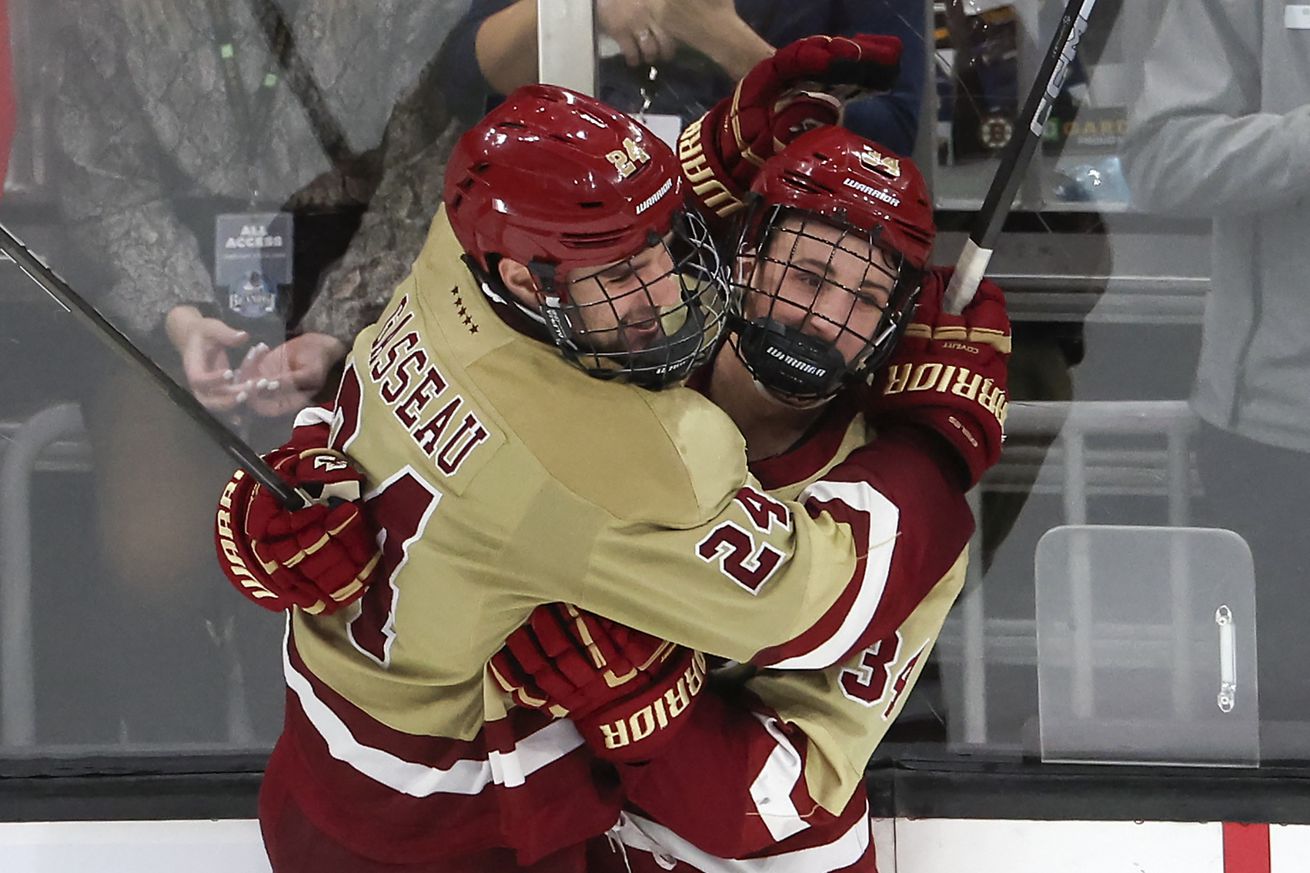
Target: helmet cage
559,182
803,356
608,321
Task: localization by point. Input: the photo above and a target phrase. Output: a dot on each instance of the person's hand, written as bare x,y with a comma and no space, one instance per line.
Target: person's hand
627,692
683,18
948,374
713,28
634,25
203,344
800,87
285,379
318,558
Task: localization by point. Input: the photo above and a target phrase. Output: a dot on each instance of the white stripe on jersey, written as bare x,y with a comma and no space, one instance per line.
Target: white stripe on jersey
884,521
772,788
469,776
645,835
312,415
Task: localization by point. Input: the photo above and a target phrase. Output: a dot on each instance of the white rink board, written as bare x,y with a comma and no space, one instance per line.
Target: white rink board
904,846
1289,848
972,846
132,847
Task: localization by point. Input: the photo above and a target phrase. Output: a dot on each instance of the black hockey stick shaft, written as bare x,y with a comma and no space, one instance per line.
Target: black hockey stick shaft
70,300
971,266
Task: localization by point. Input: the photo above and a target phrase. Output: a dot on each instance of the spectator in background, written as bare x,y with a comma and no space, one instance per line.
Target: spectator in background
178,123
1220,131
697,49
170,117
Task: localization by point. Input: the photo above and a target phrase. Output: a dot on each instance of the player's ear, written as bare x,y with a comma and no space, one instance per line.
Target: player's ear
518,279
745,264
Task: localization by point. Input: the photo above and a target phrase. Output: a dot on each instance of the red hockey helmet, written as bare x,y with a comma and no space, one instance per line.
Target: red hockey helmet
562,183
833,254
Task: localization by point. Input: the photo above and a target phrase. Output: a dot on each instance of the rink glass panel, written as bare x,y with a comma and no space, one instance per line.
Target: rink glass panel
121,637
154,146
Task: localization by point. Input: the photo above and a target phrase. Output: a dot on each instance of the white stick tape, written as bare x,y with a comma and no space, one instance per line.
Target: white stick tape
969,270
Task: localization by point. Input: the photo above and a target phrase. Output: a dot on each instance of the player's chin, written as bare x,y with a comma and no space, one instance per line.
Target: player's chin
791,401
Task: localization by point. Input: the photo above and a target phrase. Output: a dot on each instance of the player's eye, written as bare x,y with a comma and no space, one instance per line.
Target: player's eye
621,273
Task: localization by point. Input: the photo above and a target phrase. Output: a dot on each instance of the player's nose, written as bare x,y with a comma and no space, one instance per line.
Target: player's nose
830,312
663,289
818,316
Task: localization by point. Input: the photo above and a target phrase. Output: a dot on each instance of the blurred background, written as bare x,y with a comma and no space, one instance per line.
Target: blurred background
239,184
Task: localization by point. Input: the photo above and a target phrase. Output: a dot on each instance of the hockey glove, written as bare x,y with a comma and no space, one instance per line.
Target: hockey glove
801,86
627,692
319,558
948,374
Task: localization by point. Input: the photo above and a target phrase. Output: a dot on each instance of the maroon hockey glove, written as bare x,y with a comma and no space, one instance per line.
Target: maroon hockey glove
948,374
319,558
627,691
801,86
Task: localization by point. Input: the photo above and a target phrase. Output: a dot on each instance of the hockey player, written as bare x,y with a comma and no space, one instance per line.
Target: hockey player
504,478
832,256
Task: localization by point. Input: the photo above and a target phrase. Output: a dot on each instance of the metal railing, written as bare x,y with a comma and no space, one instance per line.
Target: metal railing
51,440
45,434
1077,473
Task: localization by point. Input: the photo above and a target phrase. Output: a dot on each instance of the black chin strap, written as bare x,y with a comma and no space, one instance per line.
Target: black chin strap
789,362
672,358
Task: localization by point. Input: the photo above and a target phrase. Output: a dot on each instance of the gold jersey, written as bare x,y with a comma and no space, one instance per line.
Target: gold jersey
844,711
778,772
502,477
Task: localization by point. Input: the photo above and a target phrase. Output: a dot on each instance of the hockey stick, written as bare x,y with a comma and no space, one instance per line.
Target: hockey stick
996,206
73,302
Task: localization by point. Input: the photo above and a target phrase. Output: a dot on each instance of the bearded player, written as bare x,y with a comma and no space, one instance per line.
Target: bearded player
771,769
506,417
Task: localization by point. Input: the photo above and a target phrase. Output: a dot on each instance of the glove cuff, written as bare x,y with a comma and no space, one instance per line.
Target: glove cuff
639,727
977,444
711,184
239,563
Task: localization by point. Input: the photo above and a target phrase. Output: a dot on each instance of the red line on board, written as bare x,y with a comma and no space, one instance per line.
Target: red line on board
1246,848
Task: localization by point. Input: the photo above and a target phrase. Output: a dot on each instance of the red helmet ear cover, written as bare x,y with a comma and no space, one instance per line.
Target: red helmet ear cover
554,177
841,176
